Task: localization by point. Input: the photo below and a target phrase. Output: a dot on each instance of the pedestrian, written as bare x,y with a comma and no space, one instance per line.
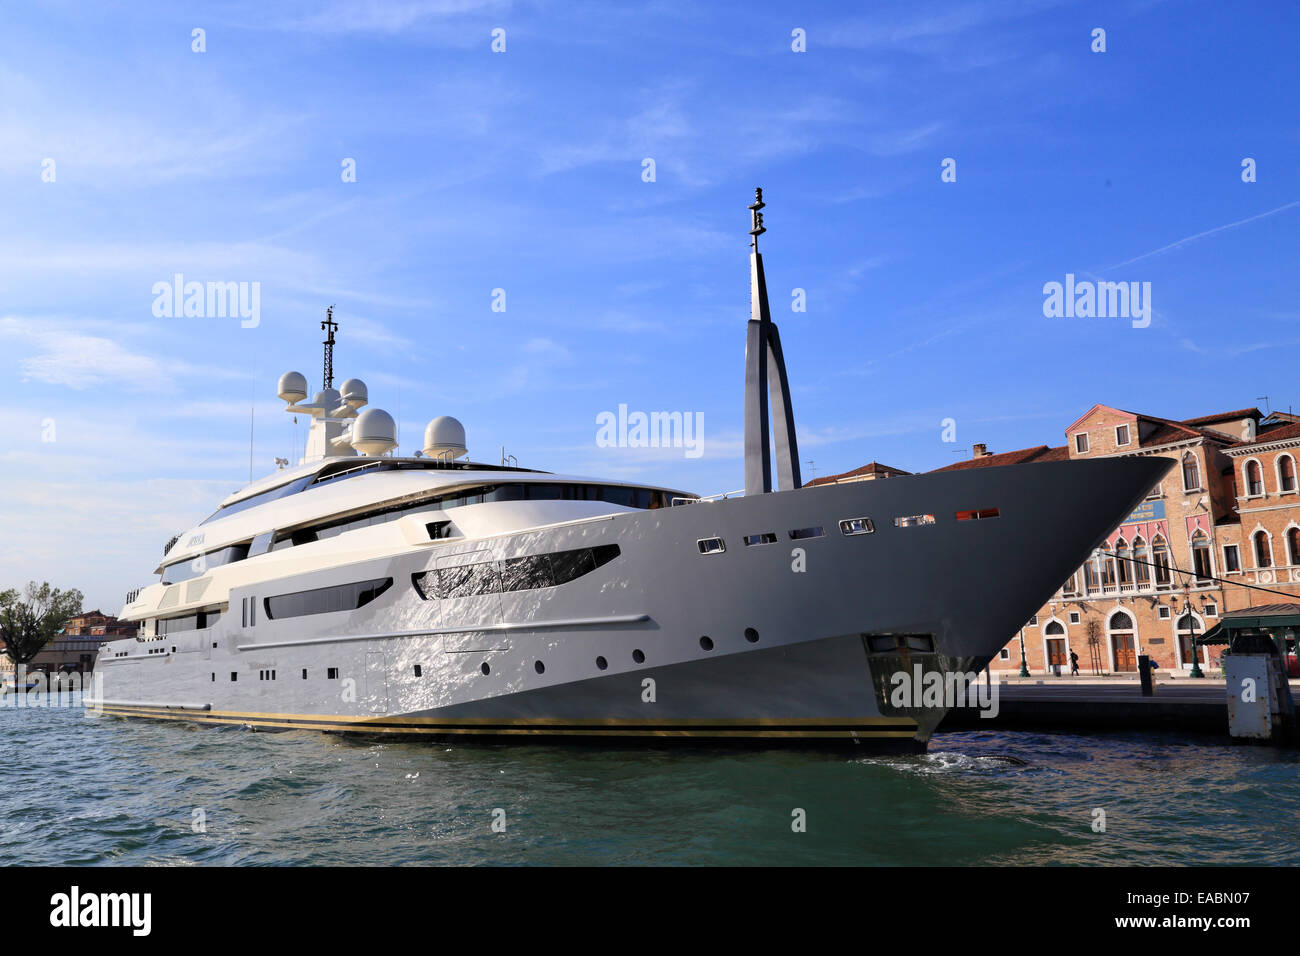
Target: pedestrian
1074,663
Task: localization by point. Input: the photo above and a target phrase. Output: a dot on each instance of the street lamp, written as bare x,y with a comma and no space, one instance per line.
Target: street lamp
1024,665
1191,628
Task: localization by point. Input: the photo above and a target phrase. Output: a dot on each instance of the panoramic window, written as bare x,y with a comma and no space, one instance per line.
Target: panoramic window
342,597
202,564
197,621
512,574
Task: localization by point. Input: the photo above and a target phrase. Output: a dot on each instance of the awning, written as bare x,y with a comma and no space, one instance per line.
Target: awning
1265,617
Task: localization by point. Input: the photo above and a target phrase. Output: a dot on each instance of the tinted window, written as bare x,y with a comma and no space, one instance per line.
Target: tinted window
513,574
343,597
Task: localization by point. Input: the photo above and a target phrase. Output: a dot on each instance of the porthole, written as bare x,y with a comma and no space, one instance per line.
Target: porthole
751,635
539,667
638,655
706,643
601,663
485,669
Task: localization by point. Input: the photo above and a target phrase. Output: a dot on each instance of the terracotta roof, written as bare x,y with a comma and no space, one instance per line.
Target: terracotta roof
1276,433
1224,417
870,468
1020,457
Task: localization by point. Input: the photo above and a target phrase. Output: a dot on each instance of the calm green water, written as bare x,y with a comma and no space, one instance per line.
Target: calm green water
107,791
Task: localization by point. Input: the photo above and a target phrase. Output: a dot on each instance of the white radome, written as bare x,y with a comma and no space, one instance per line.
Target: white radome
374,432
355,393
293,387
444,438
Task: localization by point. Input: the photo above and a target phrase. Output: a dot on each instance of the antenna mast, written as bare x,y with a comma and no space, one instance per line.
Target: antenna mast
764,370
331,325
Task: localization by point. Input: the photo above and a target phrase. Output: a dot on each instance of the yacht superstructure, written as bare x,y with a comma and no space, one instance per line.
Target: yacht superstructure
433,595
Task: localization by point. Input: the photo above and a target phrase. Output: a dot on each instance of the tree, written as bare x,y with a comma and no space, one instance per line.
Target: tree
29,621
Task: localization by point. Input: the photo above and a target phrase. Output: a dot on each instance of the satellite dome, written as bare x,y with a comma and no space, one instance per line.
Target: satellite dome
444,438
354,392
325,401
374,432
293,387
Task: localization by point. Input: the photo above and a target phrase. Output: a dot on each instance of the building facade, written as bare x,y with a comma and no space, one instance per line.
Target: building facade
1223,522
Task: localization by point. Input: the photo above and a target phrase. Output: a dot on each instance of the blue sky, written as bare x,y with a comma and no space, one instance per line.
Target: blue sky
522,170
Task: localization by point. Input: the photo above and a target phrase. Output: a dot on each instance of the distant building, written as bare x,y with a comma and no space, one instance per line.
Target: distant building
1227,515
77,644
868,472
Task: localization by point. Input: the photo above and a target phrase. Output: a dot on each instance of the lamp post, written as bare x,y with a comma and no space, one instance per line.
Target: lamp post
1024,665
1191,629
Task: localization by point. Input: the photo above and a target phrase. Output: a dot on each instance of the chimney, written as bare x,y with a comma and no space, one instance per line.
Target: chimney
981,450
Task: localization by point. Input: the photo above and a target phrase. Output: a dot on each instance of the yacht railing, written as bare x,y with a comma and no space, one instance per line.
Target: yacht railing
722,496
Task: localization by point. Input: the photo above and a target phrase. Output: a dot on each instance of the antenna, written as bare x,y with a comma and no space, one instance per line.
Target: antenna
756,218
330,324
1264,398
764,368
250,443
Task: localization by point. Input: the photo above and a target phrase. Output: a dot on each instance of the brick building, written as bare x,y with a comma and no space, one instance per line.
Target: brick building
1226,515
76,646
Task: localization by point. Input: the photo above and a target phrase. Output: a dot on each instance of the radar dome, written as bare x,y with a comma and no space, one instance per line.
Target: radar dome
354,392
325,401
374,432
444,438
293,387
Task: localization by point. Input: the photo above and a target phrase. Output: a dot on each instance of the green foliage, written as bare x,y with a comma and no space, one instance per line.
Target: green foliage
30,619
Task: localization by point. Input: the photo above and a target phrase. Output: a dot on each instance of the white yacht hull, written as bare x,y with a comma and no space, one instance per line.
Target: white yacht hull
788,656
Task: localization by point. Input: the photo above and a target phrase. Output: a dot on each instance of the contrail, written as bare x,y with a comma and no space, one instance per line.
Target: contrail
1200,235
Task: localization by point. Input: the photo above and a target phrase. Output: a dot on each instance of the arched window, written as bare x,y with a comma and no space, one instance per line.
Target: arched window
1054,629
1254,479
1120,621
1123,566
1263,552
1160,558
1285,473
1201,556
1191,473
1141,562
1293,545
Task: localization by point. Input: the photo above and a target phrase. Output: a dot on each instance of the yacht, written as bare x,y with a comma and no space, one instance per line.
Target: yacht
434,595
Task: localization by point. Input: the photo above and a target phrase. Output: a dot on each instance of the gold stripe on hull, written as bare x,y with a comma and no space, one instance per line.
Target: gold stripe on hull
794,728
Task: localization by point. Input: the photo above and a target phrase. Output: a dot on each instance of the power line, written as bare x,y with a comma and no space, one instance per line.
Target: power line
1199,577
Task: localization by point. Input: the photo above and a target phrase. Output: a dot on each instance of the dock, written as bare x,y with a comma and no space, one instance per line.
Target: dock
1083,704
